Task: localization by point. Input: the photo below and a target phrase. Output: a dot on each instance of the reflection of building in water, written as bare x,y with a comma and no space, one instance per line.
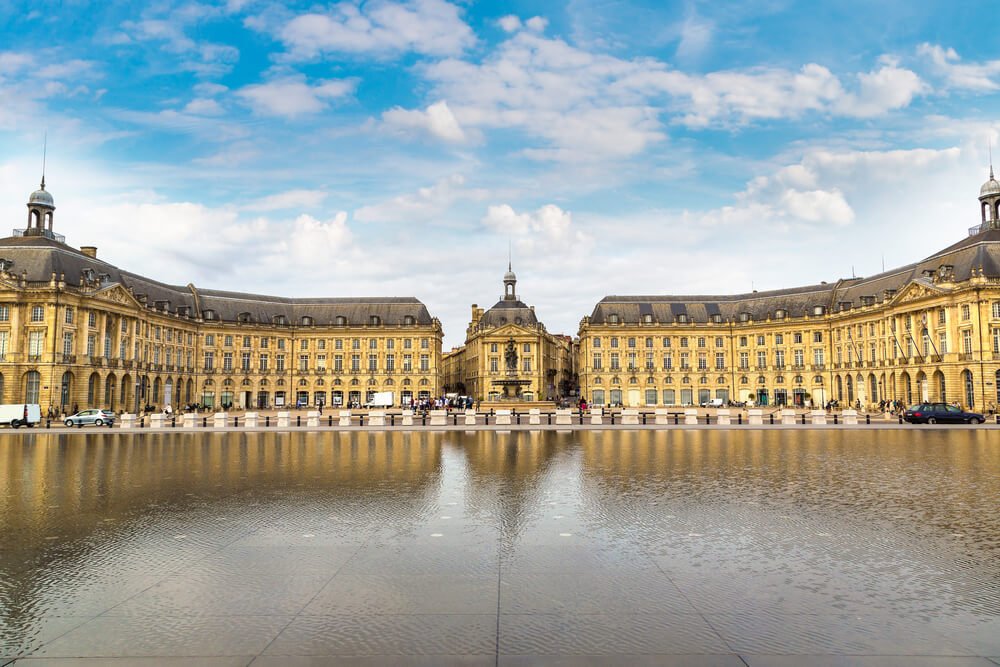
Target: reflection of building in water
509,472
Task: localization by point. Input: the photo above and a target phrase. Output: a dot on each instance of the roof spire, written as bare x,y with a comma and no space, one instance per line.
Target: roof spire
45,145
509,246
991,158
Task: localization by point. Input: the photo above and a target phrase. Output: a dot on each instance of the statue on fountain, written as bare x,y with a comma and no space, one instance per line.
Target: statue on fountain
510,356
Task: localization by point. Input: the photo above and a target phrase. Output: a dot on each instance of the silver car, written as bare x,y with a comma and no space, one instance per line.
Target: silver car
95,417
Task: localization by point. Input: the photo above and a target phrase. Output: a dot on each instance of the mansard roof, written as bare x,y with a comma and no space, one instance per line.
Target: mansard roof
38,258
508,311
978,254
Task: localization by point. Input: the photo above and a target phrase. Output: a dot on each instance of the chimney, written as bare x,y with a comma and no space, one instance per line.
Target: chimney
89,251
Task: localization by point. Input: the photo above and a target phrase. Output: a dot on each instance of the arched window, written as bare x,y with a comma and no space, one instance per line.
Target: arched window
32,386
341,321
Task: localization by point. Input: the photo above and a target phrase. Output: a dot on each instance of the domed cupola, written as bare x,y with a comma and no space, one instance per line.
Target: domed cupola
41,208
989,202
509,283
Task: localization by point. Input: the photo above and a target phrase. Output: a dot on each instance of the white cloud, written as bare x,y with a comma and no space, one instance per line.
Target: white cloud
421,205
888,88
203,107
292,199
430,27
292,96
696,36
510,23
536,23
167,26
549,220
437,120
981,77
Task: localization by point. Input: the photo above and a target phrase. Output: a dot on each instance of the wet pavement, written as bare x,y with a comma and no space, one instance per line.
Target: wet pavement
767,548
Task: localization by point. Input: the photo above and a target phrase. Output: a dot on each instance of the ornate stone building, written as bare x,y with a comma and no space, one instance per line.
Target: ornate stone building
77,331
926,331
508,354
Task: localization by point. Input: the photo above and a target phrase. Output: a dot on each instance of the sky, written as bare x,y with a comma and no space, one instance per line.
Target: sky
405,147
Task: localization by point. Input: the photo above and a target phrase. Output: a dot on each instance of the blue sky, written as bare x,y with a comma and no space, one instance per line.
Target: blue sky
398,147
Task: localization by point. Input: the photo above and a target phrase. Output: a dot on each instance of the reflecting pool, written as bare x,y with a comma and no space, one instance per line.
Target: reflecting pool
693,547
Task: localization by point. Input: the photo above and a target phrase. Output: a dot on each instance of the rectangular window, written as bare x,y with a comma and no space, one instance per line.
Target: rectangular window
91,320
649,343
527,348
264,342
702,361
701,341
245,361
761,359
818,356
4,343
720,361
390,344
210,339
407,363
526,364
355,363
597,360
743,341
744,360
494,364
615,362
321,362
631,342
227,341
209,360
281,343
37,314
372,363
942,343
425,344
407,343
36,341
69,315
597,342
649,361
797,338
967,341
303,362
719,342
246,341
799,356
684,361
760,340
91,345
871,353
4,313
390,362
262,362
966,313
279,362
425,362
779,359
338,363
227,361
942,317
666,342
157,333
779,339
817,336
614,341
338,344
668,362
684,341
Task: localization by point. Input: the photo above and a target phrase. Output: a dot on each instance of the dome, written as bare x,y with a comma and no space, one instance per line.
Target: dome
42,198
510,274
509,312
990,187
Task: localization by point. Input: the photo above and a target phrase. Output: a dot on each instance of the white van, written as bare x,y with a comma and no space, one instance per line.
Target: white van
714,403
20,414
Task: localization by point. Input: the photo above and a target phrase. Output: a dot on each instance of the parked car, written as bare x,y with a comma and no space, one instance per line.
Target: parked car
714,403
93,416
941,413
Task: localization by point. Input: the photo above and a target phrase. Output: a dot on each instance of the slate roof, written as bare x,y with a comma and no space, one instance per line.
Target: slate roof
973,254
39,257
508,312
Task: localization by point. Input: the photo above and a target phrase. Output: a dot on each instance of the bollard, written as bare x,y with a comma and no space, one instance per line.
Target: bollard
298,420
204,422
48,424
612,414
267,420
392,420
739,418
173,422
361,420
549,415
771,416
868,419
236,421
142,422
517,417
581,416
423,419
708,419
803,418
677,419
834,417
455,418
901,419
643,418
486,418
329,421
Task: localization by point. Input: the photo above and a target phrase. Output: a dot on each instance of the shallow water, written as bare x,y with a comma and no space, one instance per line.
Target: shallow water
490,545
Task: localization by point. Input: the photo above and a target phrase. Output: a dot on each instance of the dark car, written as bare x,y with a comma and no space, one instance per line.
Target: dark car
941,413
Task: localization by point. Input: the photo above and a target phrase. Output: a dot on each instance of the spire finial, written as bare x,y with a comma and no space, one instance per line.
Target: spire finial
508,255
991,158
45,145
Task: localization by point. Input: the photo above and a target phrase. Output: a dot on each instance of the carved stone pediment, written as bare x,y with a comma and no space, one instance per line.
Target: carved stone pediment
917,290
117,294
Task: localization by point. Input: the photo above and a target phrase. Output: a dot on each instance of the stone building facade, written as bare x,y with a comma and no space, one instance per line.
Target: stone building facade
508,354
78,332
926,331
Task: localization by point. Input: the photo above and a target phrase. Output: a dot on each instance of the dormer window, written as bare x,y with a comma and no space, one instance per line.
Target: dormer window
614,319
844,306
374,320
744,317
280,320
409,320
208,315
307,321
647,319
779,314
682,318
819,310
244,318
717,318
340,321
